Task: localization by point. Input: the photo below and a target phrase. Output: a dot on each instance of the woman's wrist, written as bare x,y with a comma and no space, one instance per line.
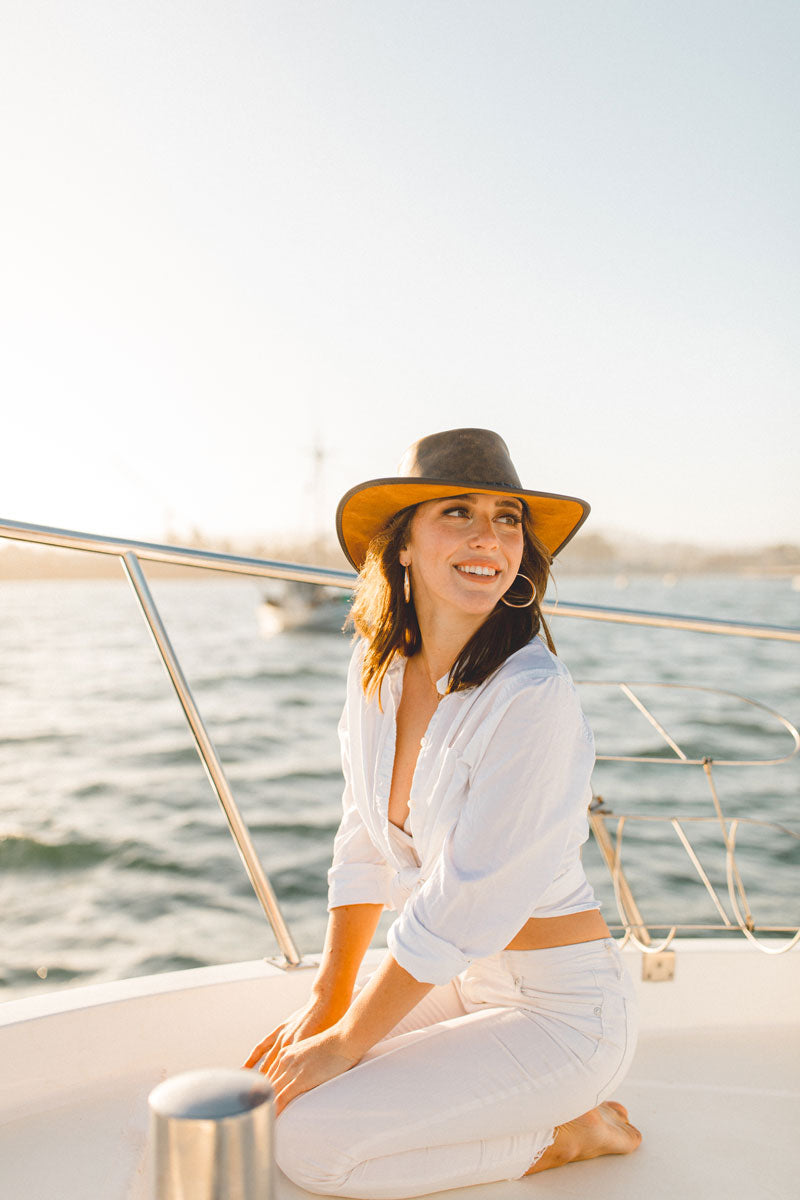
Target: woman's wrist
348,1040
331,1000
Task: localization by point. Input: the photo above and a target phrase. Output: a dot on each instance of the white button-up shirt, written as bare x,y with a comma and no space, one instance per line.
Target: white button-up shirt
497,812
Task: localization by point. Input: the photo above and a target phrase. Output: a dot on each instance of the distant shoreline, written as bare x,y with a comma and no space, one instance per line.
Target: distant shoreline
591,554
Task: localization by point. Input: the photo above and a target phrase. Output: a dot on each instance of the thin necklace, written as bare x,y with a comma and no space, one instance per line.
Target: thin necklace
433,682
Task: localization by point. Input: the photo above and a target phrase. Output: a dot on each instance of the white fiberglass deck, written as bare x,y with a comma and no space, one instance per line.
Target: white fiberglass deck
715,1086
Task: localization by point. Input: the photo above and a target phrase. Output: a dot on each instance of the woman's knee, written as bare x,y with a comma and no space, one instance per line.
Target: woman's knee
311,1157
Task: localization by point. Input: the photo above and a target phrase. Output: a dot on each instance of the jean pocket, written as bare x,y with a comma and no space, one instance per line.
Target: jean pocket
579,1006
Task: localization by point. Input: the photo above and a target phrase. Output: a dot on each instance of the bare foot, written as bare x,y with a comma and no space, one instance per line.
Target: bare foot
604,1130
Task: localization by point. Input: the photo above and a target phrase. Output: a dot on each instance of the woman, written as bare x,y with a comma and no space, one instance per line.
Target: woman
501,1016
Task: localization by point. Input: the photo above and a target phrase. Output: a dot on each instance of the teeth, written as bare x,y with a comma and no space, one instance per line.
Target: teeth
477,570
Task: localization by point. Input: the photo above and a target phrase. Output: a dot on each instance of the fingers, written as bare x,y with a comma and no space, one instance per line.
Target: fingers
283,1097
258,1051
286,1086
283,1073
290,1030
271,1057
256,1055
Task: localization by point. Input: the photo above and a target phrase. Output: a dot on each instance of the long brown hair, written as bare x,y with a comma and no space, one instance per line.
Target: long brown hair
389,624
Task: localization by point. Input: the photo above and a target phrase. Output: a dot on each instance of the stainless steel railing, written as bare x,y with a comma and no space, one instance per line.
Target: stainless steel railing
208,756
299,572
132,553
179,556
631,616
634,926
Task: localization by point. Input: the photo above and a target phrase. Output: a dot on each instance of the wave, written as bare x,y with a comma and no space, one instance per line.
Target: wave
34,739
154,964
21,853
311,828
136,856
32,978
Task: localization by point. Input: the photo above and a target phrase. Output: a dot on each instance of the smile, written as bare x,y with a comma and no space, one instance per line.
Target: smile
485,572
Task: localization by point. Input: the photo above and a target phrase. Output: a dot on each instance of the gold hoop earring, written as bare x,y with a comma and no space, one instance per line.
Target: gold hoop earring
527,603
406,586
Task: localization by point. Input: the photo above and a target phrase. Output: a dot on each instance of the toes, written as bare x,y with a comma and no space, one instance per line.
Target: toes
620,1108
626,1136
631,1136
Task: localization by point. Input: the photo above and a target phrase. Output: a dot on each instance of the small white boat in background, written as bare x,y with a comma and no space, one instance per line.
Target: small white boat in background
714,1087
294,605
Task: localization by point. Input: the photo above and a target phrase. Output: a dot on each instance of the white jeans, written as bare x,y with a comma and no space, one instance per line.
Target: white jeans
468,1087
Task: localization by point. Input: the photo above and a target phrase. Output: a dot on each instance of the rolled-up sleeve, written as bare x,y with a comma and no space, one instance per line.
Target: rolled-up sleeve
525,807
359,873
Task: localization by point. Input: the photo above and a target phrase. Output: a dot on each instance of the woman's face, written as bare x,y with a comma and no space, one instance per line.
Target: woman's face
464,552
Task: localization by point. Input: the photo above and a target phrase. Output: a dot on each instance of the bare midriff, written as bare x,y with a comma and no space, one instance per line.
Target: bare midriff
543,933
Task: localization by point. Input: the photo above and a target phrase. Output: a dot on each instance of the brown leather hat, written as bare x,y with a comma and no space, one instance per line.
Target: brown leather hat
450,464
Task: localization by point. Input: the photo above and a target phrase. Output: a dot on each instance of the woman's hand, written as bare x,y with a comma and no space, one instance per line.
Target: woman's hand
303,1065
314,1017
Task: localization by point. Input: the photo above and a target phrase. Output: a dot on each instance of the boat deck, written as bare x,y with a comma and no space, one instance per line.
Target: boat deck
714,1087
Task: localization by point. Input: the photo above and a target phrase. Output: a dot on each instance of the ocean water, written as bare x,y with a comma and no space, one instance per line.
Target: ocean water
115,858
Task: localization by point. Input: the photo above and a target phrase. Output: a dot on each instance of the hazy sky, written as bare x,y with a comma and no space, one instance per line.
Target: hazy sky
234,230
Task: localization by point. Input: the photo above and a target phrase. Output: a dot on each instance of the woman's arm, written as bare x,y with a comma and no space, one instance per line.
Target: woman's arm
387,997
349,933
296,1068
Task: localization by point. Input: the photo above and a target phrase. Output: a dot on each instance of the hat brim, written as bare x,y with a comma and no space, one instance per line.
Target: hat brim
367,509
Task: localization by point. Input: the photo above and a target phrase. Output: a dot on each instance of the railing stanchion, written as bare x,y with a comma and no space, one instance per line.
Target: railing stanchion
631,914
210,760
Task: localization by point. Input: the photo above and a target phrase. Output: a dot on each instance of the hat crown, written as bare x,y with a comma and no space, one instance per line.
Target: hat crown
477,456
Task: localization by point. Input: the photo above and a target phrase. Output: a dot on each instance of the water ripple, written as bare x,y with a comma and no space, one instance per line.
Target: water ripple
21,853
